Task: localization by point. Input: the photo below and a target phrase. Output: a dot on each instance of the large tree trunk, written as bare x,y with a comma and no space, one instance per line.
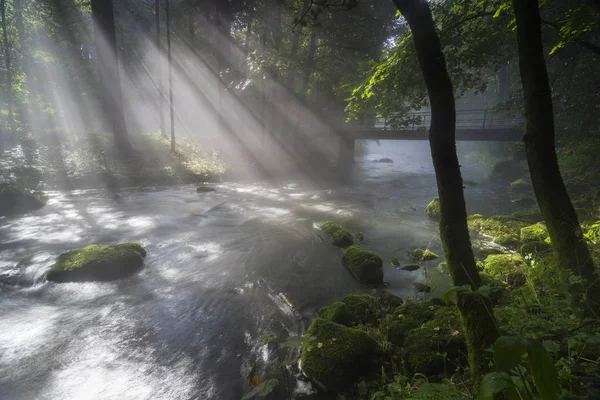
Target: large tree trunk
478,320
108,72
553,199
159,69
8,72
170,61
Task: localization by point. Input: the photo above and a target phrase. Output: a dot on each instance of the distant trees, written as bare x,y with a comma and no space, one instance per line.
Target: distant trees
7,73
108,73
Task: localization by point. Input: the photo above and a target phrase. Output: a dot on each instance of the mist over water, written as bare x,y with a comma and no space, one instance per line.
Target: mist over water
223,268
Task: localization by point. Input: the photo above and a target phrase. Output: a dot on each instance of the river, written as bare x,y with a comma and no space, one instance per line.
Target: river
223,268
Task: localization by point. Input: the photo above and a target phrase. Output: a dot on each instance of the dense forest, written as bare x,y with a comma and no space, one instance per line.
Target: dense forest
300,199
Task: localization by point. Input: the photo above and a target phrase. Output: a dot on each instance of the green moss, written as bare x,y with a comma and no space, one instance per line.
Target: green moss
97,262
366,266
388,300
433,209
521,186
534,233
396,332
364,308
339,355
423,255
205,189
395,262
359,236
535,248
410,267
483,252
337,312
339,236
413,315
531,215
15,200
509,268
443,268
504,230
437,346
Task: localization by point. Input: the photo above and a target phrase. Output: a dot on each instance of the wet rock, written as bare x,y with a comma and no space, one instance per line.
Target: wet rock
15,200
433,209
422,287
338,312
201,189
410,267
339,236
339,356
365,265
521,186
359,236
98,263
422,255
395,262
388,300
365,309
385,160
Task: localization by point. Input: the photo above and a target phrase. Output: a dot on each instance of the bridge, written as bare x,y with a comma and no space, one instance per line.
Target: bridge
471,125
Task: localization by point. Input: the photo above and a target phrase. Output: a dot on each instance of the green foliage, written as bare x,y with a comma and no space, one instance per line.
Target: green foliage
534,233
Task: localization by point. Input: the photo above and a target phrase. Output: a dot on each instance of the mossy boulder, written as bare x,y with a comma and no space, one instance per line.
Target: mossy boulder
385,160
388,300
509,170
422,255
201,189
395,262
413,315
359,236
505,230
15,200
339,356
443,268
339,236
436,346
509,268
98,263
338,312
364,309
531,215
521,186
534,233
537,249
365,265
410,267
433,209
524,201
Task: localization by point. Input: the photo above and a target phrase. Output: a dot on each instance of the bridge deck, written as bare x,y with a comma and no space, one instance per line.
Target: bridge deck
470,135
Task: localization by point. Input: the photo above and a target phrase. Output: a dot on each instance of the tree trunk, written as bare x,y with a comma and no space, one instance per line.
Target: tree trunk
553,199
159,69
478,320
503,86
8,72
108,72
170,61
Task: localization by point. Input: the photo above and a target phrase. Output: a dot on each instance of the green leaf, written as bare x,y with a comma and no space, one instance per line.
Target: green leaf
265,339
543,372
493,383
508,352
551,346
263,389
296,341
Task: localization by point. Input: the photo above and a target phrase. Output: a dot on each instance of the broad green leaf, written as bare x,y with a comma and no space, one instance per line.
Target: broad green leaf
493,383
296,341
508,352
542,370
263,389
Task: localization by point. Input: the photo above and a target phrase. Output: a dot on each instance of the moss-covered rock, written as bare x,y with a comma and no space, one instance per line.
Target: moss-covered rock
504,230
524,201
14,200
509,170
98,263
422,255
413,315
365,265
483,252
531,215
359,236
536,248
201,189
521,186
534,233
339,356
364,309
388,300
339,236
509,268
396,332
433,209
410,267
338,312
443,268
437,346
395,262
385,160
421,287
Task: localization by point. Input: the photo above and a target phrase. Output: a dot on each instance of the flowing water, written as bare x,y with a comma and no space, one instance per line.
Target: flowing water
223,268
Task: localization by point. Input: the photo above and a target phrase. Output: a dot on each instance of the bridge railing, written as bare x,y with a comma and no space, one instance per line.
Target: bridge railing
465,119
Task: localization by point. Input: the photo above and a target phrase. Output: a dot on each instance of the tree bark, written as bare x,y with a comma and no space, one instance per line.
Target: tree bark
550,192
159,69
108,72
478,320
170,61
8,72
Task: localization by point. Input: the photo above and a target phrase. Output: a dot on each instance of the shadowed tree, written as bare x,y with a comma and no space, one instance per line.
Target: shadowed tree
552,197
108,72
480,326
